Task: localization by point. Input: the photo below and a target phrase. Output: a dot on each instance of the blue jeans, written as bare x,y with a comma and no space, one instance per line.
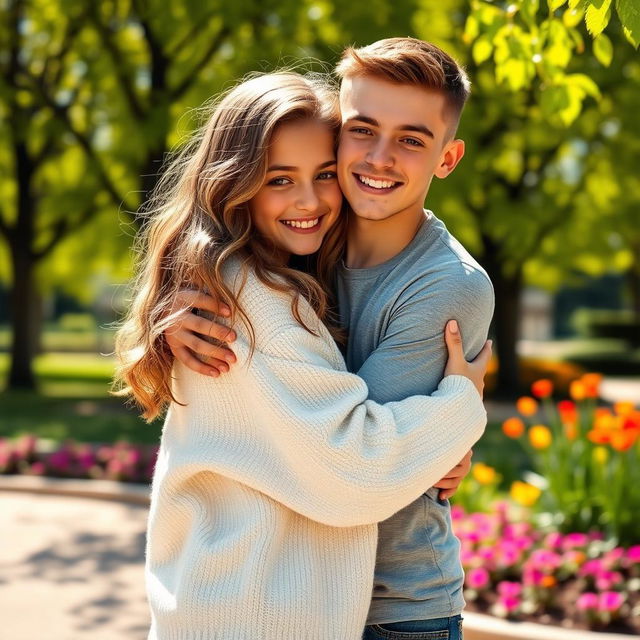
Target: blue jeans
436,629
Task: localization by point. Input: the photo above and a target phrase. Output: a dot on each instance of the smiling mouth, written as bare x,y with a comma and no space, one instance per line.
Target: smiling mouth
303,225
383,186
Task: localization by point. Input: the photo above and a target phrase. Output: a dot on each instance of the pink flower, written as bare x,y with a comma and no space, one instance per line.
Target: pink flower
509,589
37,469
510,603
509,553
610,601
607,579
633,554
553,540
575,540
591,568
545,559
478,578
587,601
457,512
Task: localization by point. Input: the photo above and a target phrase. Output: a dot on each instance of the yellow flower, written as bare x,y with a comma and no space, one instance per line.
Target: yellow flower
540,436
600,454
525,494
577,390
526,406
483,473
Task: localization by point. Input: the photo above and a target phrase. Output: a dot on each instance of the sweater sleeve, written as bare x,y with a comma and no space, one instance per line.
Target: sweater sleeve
308,437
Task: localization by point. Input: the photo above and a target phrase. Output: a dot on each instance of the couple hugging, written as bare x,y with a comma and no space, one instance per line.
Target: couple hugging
305,323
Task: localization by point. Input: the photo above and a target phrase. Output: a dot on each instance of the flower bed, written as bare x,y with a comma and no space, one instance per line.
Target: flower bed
121,461
576,580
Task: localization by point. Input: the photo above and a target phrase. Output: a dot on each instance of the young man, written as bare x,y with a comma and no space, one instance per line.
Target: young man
403,277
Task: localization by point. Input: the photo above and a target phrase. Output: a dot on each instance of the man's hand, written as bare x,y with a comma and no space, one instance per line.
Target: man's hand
450,483
185,337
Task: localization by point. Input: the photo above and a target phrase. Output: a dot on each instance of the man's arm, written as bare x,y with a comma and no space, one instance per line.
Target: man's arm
412,354
189,337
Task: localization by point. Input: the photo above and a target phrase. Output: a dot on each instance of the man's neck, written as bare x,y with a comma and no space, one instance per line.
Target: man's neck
372,242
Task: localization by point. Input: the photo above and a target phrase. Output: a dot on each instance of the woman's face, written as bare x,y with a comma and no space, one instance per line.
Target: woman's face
300,198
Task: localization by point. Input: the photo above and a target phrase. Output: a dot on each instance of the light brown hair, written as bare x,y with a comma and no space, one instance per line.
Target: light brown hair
199,218
414,62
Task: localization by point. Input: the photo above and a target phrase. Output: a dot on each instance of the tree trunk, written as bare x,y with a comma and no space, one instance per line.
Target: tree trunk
506,320
633,279
23,297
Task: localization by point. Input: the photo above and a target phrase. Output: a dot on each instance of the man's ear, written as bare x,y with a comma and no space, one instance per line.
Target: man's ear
451,155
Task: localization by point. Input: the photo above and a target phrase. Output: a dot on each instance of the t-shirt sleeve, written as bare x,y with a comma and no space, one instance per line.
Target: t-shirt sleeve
412,353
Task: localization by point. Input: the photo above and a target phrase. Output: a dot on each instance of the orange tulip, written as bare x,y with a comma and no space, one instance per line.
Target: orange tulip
567,411
599,436
577,390
570,430
513,427
623,408
540,436
542,388
526,406
604,421
591,382
623,440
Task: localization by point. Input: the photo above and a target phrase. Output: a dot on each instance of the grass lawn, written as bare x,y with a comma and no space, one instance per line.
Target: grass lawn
72,402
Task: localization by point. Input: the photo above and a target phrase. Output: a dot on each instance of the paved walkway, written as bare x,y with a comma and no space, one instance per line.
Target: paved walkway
71,568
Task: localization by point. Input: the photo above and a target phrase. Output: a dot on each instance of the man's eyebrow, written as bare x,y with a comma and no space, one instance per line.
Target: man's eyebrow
284,167
418,128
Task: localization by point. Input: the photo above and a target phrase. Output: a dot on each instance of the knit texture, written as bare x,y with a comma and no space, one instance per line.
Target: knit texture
270,481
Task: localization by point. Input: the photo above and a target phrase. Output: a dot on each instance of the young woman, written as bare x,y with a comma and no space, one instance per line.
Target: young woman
270,480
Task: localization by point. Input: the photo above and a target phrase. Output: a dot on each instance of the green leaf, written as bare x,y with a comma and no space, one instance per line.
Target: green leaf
482,49
629,14
572,17
603,49
597,16
584,83
555,4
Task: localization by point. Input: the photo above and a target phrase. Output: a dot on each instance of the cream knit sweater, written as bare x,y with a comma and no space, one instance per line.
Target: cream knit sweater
270,481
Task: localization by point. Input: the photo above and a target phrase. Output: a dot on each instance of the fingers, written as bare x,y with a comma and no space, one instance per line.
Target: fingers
205,327
453,340
448,483
190,361
181,339
199,300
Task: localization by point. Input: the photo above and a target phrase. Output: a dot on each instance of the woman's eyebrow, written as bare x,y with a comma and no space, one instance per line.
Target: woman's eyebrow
284,167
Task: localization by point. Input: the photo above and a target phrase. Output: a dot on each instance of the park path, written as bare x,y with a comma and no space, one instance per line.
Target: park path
71,568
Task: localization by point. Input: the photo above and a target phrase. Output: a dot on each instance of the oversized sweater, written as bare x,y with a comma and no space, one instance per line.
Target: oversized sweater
270,481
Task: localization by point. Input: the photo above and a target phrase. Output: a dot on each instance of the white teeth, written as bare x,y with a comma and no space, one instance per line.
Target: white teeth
302,224
376,184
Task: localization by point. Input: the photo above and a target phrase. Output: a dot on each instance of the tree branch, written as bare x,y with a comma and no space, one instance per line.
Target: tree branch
119,64
61,229
182,87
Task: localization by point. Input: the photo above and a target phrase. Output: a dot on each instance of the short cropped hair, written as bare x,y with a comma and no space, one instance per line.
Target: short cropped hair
410,61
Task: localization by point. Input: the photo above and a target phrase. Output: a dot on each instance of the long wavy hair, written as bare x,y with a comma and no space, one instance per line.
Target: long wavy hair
198,219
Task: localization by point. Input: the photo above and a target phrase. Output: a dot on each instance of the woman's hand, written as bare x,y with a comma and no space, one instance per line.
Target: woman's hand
186,338
457,363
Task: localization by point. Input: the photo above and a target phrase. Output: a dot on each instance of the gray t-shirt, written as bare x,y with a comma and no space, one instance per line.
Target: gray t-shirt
395,314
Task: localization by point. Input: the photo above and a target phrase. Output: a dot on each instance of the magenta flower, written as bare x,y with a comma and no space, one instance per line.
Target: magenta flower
553,540
587,601
478,578
511,589
575,541
633,555
606,579
610,601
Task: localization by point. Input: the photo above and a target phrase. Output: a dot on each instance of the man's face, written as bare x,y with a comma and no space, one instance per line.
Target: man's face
394,139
